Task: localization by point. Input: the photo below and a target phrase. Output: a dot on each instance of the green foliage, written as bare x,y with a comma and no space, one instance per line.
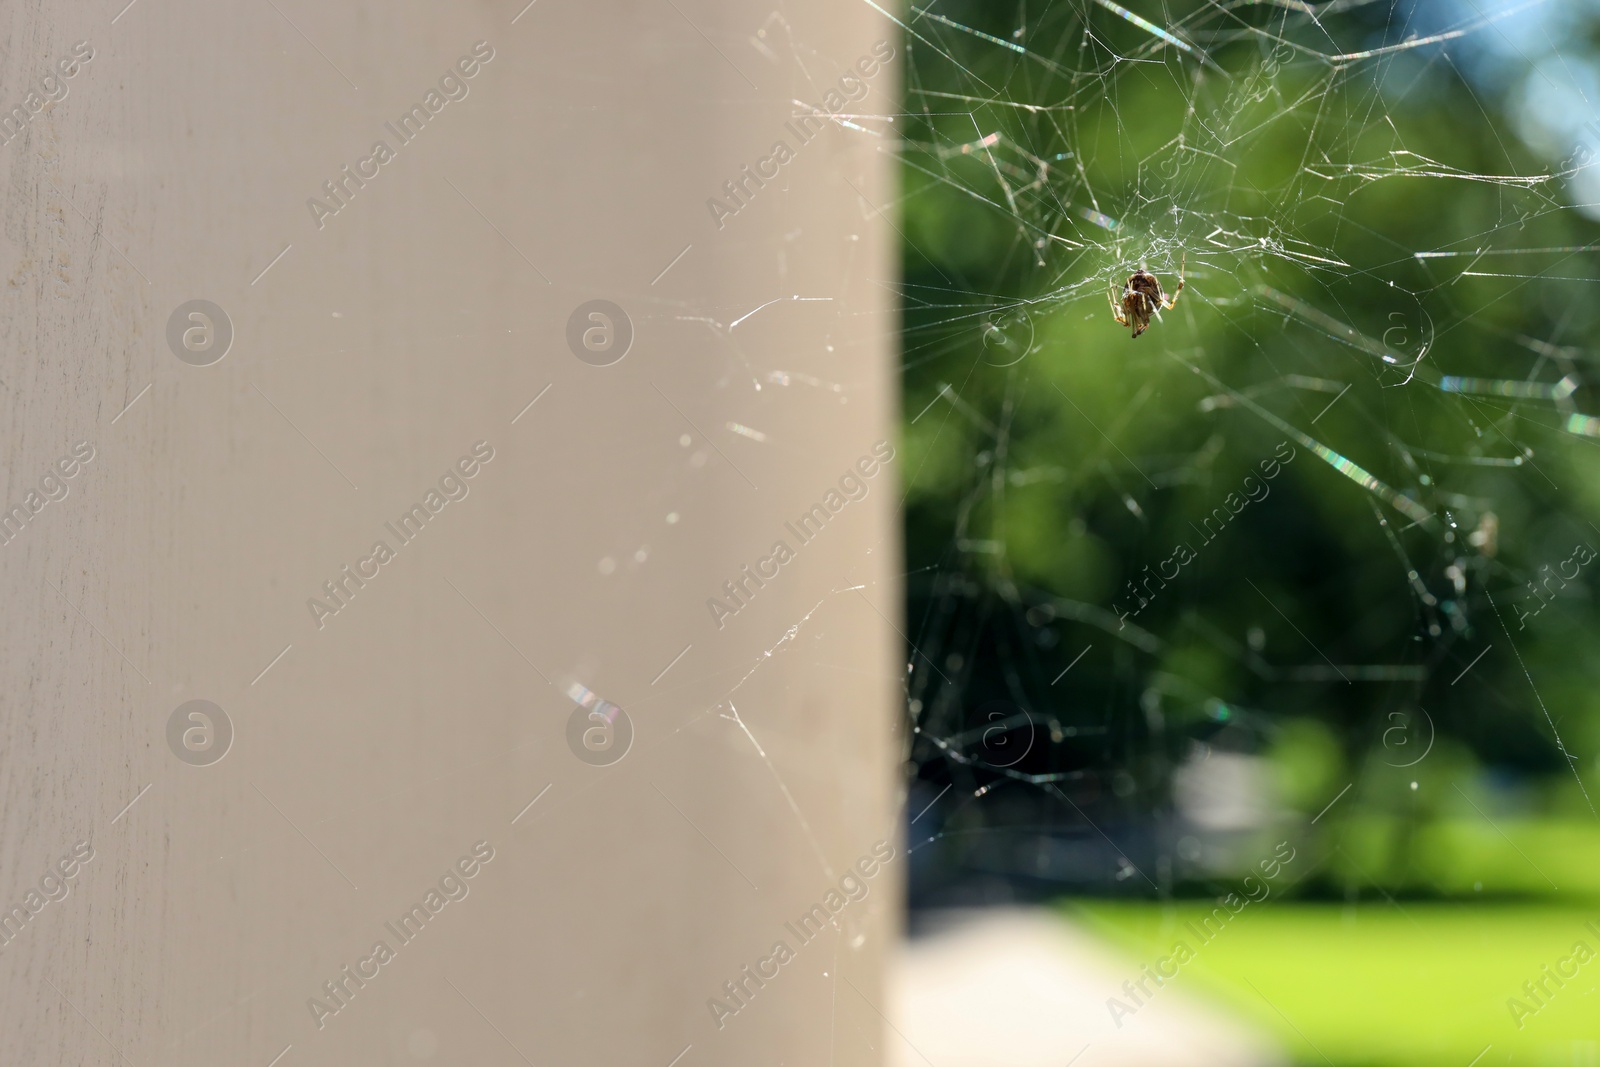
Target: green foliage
1066,469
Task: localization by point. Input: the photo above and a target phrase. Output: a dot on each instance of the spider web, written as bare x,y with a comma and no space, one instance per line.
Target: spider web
1389,263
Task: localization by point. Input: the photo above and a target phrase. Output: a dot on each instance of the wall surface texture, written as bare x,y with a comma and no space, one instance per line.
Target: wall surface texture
418,746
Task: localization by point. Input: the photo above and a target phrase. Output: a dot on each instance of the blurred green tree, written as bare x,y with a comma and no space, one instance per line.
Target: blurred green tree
1358,321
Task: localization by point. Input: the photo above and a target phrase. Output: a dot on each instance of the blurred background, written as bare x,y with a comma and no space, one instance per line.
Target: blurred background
1305,570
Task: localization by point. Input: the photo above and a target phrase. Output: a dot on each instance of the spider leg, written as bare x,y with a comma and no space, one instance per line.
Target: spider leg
1172,301
1116,312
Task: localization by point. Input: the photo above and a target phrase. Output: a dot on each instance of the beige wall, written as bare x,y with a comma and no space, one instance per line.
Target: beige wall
414,723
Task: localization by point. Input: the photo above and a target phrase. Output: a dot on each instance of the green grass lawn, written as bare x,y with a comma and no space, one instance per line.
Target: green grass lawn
1373,986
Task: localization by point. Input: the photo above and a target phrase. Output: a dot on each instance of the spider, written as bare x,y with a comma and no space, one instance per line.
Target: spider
1142,297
